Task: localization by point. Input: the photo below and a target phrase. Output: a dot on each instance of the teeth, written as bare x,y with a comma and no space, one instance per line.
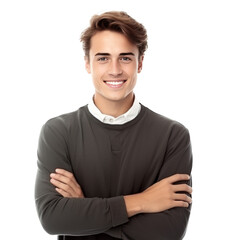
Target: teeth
115,83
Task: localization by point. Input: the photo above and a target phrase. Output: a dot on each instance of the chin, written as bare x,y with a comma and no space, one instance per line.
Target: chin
119,98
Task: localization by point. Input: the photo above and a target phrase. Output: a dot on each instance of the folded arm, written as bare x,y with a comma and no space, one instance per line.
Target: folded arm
170,224
65,215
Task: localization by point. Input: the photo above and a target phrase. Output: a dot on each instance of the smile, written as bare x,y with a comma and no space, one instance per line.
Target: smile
115,84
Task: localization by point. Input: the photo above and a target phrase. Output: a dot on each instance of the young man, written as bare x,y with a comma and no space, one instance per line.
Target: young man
114,169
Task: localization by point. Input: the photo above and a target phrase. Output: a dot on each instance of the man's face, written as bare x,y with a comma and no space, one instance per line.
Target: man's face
114,64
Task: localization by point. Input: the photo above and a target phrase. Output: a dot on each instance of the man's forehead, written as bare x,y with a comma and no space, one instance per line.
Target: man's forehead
109,42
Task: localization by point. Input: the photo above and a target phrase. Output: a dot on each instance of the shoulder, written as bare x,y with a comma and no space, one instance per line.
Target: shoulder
164,124
65,122
159,119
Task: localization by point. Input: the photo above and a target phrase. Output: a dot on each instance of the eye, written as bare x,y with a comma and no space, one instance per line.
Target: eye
102,59
125,59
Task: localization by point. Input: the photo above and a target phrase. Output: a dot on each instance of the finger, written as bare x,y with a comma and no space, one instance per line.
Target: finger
62,192
182,188
66,180
182,197
69,177
64,172
60,178
74,187
62,186
180,204
178,177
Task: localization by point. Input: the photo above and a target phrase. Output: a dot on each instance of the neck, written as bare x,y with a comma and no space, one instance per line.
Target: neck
114,108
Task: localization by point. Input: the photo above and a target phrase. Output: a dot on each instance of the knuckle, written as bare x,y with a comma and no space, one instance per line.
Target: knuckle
59,177
184,187
165,180
67,188
170,192
183,204
186,198
172,204
68,181
178,176
188,188
173,178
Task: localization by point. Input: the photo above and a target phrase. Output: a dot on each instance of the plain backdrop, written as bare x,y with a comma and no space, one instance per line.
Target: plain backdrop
191,73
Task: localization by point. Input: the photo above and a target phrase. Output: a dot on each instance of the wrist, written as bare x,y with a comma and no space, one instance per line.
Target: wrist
133,204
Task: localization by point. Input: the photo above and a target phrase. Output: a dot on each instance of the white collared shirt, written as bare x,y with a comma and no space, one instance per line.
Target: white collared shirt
124,118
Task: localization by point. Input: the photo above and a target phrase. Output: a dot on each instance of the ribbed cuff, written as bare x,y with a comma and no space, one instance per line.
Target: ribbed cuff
118,211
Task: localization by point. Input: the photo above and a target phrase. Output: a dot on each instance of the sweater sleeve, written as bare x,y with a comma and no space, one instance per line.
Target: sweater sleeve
170,224
69,216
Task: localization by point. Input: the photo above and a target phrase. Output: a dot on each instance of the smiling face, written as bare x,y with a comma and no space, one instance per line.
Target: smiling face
114,64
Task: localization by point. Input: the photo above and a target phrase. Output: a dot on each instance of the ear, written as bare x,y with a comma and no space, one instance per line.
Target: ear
87,64
140,63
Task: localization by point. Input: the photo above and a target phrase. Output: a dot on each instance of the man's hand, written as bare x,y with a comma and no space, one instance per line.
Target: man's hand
160,196
66,184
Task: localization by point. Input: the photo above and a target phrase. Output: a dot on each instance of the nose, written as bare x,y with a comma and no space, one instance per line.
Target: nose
115,68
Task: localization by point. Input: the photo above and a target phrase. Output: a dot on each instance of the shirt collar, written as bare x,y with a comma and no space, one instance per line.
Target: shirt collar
124,118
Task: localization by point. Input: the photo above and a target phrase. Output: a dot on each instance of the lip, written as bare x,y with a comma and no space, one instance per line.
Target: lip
115,83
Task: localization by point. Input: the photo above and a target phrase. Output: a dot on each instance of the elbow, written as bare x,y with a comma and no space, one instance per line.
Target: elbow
49,229
180,223
48,219
48,224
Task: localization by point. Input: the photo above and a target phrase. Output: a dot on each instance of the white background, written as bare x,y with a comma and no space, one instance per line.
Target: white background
191,74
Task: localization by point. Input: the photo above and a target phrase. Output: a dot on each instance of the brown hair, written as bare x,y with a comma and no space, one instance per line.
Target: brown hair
119,22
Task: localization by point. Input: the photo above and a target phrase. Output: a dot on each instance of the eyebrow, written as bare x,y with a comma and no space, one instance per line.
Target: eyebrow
121,54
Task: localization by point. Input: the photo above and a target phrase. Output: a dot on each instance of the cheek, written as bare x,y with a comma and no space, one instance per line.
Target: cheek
97,71
97,76
133,73
131,70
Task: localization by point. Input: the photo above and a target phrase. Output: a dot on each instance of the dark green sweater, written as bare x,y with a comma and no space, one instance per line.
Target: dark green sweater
110,161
